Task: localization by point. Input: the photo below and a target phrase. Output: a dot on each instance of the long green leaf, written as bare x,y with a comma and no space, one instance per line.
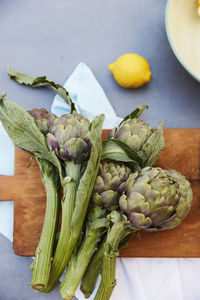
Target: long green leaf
22,130
136,113
125,241
88,179
23,78
153,146
118,151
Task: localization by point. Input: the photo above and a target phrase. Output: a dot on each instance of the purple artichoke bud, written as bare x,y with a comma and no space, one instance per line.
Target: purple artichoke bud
69,137
43,119
156,199
109,184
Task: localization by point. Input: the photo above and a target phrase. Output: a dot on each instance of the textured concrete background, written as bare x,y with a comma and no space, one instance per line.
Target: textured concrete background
15,276
51,37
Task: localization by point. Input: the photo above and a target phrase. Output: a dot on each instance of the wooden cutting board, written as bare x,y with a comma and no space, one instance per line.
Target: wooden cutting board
182,152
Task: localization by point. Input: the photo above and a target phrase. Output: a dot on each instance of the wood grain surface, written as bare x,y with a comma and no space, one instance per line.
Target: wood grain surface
182,152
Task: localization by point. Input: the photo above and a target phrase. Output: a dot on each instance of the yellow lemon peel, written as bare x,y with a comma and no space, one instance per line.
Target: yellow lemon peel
198,7
131,70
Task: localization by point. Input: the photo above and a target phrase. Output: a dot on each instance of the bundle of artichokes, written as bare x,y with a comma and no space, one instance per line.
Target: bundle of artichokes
153,199
109,192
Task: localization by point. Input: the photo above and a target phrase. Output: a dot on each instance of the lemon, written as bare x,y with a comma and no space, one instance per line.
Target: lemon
131,70
198,7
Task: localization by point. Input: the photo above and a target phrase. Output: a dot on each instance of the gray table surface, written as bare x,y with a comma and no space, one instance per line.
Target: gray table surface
51,37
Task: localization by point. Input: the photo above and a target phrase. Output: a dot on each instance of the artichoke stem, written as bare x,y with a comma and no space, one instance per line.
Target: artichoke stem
76,270
73,170
43,256
93,270
32,266
58,264
68,203
108,280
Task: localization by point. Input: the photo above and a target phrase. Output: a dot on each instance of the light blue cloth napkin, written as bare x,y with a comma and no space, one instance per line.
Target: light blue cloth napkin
6,153
88,96
6,168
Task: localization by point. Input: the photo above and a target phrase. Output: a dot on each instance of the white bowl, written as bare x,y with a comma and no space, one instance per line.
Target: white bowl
183,31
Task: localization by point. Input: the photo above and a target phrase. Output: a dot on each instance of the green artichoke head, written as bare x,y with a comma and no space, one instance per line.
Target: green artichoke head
140,139
133,132
156,199
43,119
110,184
70,137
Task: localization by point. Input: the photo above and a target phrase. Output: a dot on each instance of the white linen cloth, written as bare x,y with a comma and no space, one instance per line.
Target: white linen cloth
137,278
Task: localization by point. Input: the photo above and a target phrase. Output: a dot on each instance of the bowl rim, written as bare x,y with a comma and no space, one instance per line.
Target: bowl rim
174,49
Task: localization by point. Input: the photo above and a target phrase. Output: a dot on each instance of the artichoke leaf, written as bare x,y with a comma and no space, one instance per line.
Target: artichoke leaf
136,113
153,146
99,223
125,241
134,166
118,151
41,81
87,180
22,130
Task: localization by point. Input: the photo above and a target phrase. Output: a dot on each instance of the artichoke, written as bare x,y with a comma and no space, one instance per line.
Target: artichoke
74,140
44,252
134,142
156,199
153,199
69,138
140,138
50,178
133,132
109,184
105,197
43,119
